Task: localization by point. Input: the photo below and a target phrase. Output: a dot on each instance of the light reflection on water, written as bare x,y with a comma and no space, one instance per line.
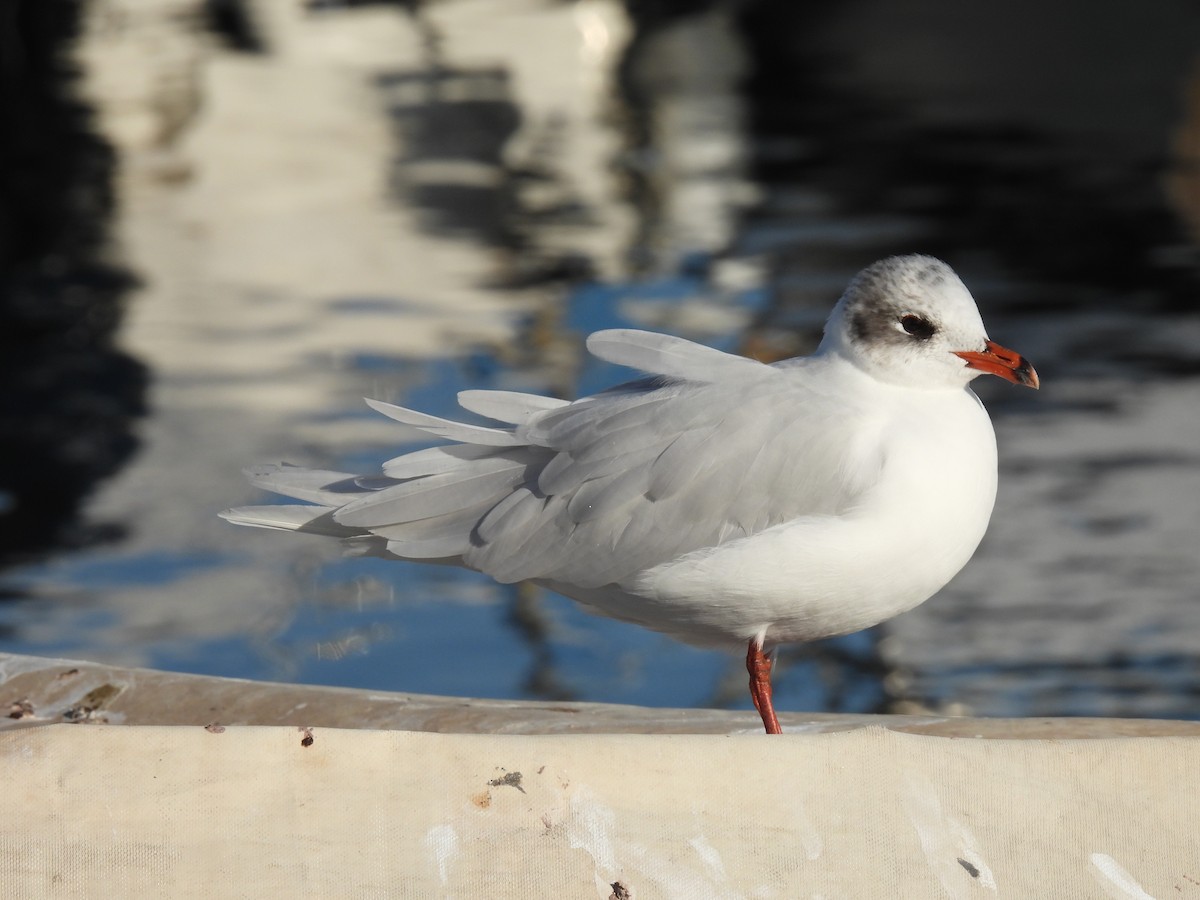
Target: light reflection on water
511,210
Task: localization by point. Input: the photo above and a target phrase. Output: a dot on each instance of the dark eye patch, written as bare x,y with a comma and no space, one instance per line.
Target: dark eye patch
920,328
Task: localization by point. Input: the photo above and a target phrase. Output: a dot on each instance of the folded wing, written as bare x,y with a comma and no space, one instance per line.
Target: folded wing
589,493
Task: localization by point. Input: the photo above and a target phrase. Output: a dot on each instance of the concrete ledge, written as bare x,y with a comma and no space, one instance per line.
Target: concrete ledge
214,805
38,691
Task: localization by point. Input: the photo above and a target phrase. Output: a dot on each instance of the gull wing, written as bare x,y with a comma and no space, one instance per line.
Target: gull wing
639,478
712,448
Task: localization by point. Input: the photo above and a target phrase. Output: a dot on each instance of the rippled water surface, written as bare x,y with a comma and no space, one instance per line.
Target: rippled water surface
350,200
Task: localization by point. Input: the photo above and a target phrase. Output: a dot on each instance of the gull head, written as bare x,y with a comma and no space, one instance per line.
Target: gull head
910,321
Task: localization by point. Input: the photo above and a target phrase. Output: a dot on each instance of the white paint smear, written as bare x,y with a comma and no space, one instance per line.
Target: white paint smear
810,838
1115,880
947,842
590,829
442,842
710,856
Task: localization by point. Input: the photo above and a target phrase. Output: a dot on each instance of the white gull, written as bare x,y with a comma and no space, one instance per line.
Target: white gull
721,500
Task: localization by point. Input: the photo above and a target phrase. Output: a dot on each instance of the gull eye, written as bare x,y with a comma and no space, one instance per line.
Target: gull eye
920,328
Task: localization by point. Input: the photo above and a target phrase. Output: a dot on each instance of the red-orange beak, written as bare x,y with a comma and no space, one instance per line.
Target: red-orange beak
997,360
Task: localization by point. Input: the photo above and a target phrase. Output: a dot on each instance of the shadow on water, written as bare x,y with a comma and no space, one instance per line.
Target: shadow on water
70,399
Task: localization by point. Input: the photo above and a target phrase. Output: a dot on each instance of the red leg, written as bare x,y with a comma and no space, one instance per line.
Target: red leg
758,664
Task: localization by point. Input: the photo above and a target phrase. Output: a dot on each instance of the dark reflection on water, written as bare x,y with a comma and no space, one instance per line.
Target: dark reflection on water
70,399
1085,210
797,142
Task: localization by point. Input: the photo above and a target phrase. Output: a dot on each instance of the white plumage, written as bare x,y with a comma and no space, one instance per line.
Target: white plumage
719,500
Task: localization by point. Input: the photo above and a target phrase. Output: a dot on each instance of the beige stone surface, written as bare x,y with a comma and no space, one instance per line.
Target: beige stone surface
141,783
109,811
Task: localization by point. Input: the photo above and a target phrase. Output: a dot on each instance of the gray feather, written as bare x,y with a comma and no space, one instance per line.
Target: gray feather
445,428
292,517
664,354
507,406
570,472
680,463
606,498
435,537
312,485
435,460
436,495
597,418
516,513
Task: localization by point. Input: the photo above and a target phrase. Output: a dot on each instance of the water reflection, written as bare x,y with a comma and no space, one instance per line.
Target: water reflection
451,196
70,399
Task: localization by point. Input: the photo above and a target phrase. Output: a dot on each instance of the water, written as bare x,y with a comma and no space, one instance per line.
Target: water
375,203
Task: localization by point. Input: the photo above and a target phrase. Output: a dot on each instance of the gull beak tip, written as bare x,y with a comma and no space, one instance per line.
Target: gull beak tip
1007,364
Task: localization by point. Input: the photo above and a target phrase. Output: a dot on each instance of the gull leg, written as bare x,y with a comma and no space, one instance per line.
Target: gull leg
758,664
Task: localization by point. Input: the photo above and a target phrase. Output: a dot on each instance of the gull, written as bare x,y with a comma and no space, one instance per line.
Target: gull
719,500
